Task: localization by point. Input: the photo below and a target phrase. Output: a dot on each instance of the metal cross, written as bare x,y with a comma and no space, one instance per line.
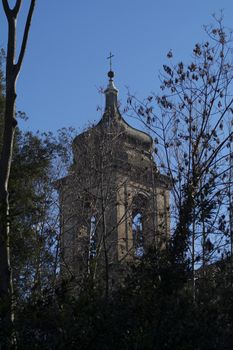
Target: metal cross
110,59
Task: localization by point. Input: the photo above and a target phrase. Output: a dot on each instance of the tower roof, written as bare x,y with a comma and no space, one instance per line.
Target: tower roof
114,124
113,116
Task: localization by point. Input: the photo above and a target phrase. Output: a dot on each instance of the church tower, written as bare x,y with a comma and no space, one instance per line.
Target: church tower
114,202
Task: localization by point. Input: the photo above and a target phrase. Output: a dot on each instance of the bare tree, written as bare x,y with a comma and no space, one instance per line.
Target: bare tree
12,71
188,121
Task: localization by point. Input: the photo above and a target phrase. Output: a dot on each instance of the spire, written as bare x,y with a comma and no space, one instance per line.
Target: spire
111,92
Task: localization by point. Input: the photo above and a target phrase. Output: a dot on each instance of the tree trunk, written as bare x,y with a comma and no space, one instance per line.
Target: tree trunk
6,287
12,71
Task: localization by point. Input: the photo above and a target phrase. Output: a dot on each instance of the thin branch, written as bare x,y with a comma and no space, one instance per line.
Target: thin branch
6,8
16,8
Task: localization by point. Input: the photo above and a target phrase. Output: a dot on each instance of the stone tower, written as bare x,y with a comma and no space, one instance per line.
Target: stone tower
114,202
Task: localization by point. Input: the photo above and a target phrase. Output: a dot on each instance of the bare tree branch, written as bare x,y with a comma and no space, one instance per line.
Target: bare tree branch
25,35
17,8
6,8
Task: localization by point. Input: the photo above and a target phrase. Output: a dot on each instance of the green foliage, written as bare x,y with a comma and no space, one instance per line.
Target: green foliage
29,201
153,310
38,161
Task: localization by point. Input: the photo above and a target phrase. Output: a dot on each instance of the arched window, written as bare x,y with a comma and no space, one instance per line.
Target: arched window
92,246
139,205
137,228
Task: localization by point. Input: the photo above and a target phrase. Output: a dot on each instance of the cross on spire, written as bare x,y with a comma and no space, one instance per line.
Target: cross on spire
110,59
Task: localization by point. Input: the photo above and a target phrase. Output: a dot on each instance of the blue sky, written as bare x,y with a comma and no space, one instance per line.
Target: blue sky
65,63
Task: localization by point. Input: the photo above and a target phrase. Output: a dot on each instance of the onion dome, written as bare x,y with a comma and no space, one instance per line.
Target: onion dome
113,116
113,126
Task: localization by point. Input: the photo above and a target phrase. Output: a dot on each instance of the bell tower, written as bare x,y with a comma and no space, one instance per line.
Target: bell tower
114,202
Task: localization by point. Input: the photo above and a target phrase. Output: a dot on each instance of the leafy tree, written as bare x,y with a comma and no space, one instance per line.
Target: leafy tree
154,309
38,161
